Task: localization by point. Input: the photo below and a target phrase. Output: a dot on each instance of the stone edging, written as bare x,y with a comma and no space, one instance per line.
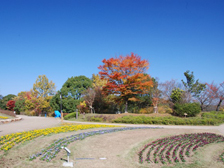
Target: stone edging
10,120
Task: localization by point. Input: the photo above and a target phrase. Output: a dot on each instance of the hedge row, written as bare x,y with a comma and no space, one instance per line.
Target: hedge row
167,120
214,114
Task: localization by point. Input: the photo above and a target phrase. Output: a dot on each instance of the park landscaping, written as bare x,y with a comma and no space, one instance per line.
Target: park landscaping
123,147
122,86
205,118
9,141
177,148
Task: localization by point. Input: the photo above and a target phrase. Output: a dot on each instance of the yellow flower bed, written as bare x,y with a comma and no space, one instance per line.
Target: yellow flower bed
1,117
10,140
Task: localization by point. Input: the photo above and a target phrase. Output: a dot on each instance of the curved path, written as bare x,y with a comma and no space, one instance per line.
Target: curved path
30,123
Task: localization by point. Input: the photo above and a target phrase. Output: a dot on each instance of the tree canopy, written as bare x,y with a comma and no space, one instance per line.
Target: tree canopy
71,93
126,76
192,86
42,87
5,100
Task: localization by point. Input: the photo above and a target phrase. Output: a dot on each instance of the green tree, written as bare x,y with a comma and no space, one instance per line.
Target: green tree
193,87
19,106
176,95
55,101
71,93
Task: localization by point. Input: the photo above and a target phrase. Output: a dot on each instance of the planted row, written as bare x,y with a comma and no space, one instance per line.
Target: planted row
52,150
10,140
176,148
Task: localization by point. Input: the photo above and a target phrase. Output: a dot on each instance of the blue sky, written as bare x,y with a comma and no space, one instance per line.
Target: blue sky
65,38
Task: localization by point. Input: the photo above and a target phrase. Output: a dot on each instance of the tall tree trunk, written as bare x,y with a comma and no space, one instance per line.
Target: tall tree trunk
202,106
91,110
220,102
126,107
155,109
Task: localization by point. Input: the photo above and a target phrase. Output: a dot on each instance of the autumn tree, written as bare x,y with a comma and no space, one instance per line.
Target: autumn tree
42,87
155,94
98,82
89,96
205,99
126,77
5,100
216,92
10,105
43,90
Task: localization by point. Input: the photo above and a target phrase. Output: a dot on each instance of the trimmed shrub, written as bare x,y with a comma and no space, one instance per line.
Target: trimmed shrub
96,119
191,109
146,110
70,115
213,114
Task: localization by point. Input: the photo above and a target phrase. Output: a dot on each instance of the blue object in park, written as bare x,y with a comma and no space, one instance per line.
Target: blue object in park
57,114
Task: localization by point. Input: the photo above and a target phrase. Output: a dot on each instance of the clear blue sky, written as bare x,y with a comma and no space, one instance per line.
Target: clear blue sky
65,38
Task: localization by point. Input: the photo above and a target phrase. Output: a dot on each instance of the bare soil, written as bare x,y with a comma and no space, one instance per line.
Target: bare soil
113,150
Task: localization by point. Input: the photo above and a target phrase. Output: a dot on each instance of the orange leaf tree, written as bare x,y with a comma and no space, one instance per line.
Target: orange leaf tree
126,77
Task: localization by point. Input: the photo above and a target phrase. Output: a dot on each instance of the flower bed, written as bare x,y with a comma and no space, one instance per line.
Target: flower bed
10,140
176,148
51,151
1,117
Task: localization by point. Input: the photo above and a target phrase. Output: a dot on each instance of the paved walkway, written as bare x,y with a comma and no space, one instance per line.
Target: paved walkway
30,123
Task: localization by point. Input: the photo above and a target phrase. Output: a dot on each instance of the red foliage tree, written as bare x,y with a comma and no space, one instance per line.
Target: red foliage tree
126,77
10,105
216,92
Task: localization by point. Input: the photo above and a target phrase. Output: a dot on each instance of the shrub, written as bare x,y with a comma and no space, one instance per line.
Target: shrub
213,114
192,109
161,110
70,115
104,118
147,110
96,119
30,113
169,110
